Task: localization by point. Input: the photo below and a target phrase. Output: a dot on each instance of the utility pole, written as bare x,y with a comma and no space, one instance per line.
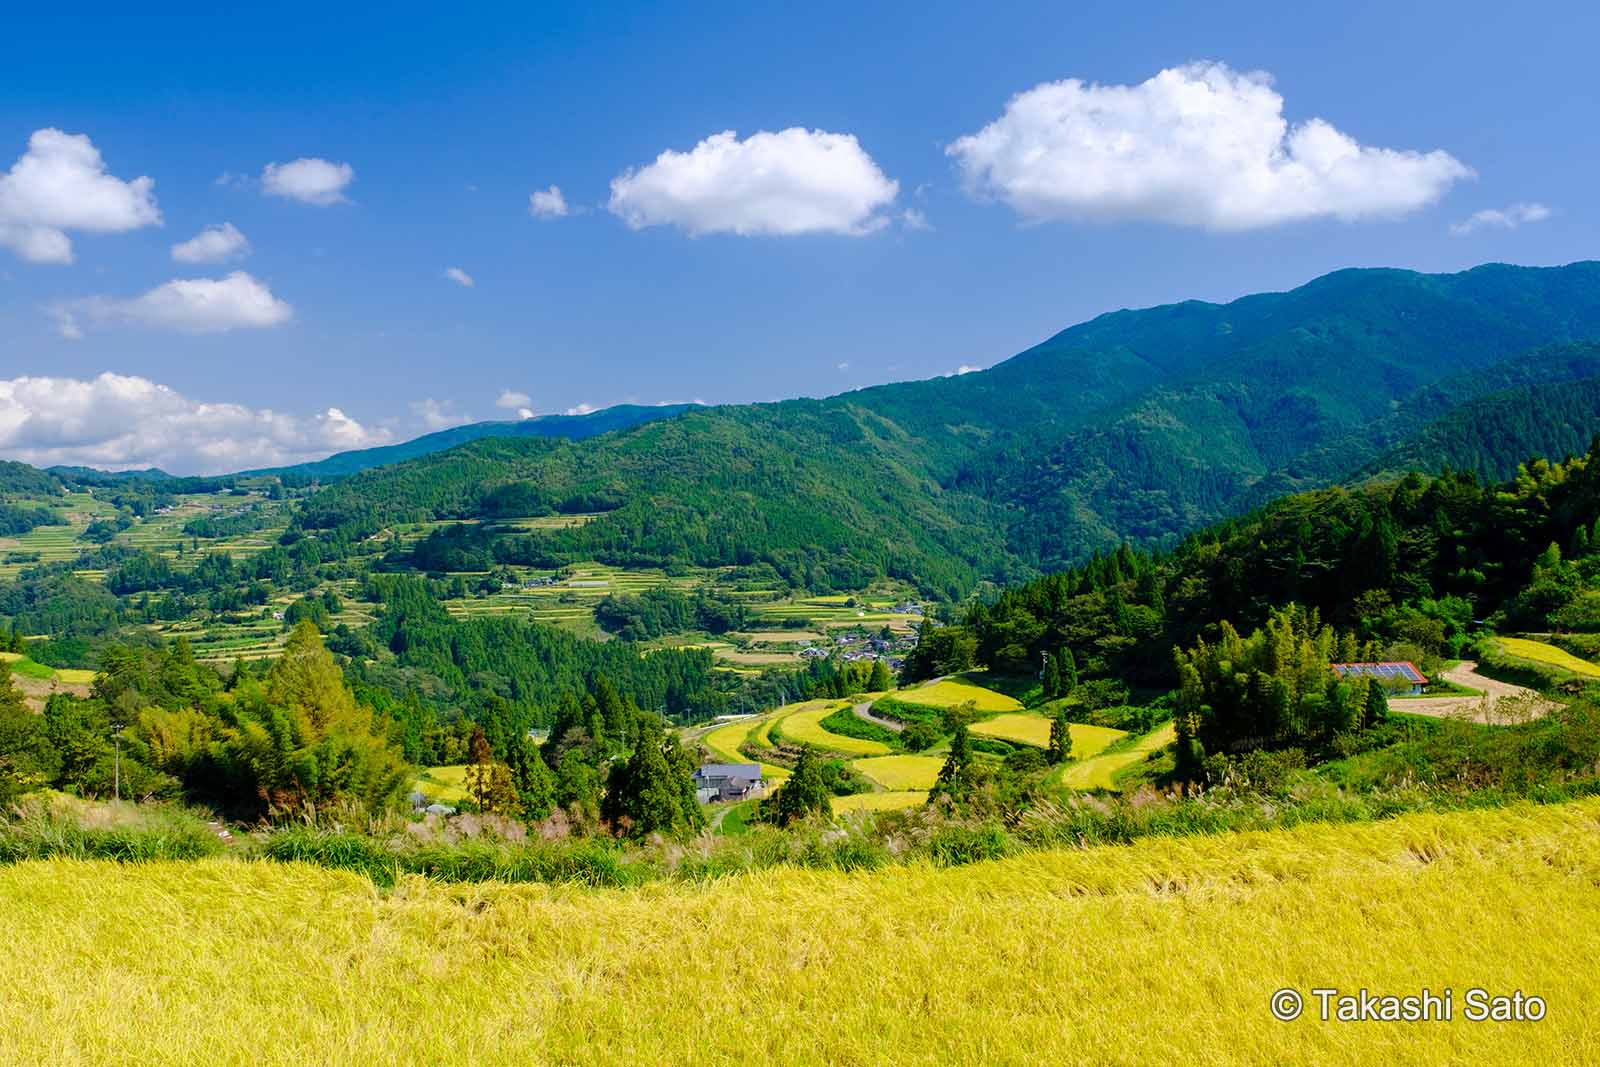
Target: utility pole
116,764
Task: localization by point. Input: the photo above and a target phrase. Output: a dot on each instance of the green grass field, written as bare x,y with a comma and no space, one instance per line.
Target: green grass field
1031,728
953,693
1101,772
1168,947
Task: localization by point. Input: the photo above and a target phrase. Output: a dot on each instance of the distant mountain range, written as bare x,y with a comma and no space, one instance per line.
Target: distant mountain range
1137,425
575,427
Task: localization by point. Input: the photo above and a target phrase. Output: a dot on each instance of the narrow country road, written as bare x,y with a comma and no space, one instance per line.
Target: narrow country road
864,713
1482,708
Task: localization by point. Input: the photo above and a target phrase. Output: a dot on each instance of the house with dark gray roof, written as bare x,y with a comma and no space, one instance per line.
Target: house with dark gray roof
728,781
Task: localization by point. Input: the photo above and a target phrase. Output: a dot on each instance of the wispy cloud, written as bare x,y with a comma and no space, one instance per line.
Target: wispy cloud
1506,218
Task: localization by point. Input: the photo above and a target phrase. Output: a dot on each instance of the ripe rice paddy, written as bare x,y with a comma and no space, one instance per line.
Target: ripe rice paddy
802,724
724,742
953,693
1031,728
1539,652
1170,947
900,773
1101,772
446,785
891,801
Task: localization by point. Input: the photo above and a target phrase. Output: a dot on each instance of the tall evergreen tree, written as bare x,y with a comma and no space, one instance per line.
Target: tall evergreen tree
1060,738
805,793
955,777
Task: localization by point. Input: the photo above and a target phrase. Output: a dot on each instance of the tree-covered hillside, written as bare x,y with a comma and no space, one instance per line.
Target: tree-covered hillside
1137,426
1412,564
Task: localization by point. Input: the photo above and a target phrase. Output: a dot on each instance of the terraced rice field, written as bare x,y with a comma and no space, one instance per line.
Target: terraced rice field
22,667
570,602
879,801
53,544
446,785
1125,955
724,741
953,693
901,772
1101,771
802,724
1550,655
1031,728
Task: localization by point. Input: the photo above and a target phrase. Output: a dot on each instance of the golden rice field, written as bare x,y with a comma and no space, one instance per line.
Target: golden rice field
723,742
1165,950
802,724
1031,728
901,772
446,785
954,692
1539,652
890,801
1101,771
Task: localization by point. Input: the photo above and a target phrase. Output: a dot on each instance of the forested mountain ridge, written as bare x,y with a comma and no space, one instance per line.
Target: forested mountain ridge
575,427
1137,425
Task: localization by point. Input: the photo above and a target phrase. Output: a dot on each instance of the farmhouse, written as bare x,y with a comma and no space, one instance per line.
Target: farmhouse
1398,676
728,781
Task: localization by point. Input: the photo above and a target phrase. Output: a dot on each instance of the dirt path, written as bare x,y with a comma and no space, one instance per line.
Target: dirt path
864,713
1483,708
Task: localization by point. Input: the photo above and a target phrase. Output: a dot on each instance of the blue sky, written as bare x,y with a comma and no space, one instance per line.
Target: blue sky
450,116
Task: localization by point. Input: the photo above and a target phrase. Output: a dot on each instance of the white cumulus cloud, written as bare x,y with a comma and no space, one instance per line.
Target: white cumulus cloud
122,421
581,409
511,400
438,416
1199,145
59,184
309,180
548,203
795,181
460,277
1506,218
187,305
214,244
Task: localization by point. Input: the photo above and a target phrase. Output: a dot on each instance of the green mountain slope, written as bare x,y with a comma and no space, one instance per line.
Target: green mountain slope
1139,425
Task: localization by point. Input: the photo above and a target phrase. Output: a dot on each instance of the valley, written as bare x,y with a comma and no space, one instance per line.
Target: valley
1157,611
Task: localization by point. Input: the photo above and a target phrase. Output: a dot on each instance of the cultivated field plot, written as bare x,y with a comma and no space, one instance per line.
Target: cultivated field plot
1030,728
879,801
872,610
444,785
901,772
232,963
723,742
1550,655
1101,771
802,724
953,693
53,544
